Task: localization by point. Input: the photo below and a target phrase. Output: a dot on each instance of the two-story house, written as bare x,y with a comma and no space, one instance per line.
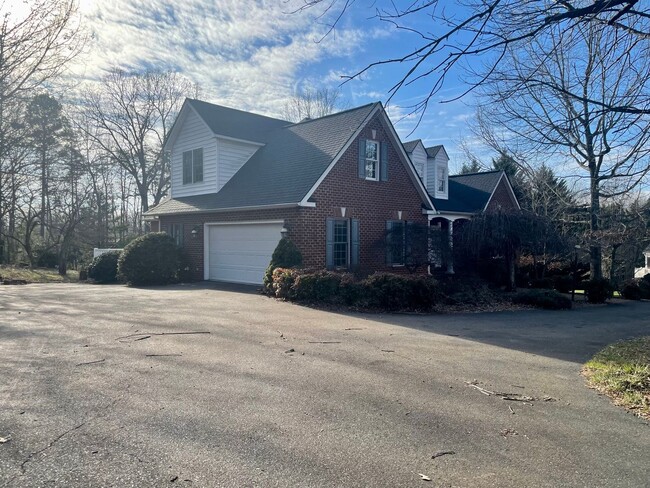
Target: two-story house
333,185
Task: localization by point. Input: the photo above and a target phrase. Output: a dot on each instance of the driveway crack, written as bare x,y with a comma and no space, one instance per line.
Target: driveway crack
50,445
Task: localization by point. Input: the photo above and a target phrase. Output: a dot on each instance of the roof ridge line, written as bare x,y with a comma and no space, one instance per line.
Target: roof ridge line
332,115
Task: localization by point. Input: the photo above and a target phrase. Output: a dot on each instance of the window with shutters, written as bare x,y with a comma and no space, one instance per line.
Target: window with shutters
372,160
341,243
193,166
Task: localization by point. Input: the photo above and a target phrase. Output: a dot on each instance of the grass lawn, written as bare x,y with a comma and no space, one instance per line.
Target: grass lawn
37,275
622,371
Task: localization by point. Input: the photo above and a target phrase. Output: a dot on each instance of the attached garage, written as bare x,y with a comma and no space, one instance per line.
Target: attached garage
240,252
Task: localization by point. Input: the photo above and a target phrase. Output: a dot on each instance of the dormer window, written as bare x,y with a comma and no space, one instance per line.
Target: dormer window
442,179
193,166
372,160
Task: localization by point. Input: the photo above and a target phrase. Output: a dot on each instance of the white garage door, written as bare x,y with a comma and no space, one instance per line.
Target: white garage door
240,253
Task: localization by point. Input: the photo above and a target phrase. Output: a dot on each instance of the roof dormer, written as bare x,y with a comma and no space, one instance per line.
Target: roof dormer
437,171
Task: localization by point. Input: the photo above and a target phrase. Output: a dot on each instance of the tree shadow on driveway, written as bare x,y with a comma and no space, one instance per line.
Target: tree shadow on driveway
573,335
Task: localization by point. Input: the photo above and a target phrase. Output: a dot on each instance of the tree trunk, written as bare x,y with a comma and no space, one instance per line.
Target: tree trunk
595,251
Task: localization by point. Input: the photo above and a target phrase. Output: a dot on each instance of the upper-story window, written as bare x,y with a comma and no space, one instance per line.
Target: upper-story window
442,179
372,160
193,166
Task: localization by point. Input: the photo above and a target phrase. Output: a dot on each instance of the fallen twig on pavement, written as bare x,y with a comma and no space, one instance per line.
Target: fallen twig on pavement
146,335
513,397
91,362
437,454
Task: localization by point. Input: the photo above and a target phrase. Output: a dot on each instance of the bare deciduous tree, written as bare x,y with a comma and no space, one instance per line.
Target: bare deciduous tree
448,34
539,101
36,44
312,103
129,115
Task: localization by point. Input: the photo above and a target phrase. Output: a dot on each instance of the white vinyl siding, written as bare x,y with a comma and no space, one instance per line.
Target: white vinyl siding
194,134
419,159
435,167
232,156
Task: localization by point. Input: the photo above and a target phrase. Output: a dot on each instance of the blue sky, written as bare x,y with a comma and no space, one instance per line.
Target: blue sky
254,54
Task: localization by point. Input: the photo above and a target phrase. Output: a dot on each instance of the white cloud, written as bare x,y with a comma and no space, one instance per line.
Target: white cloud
246,54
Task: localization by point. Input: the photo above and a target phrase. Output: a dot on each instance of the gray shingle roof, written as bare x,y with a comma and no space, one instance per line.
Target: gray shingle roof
236,123
469,193
410,145
282,171
433,150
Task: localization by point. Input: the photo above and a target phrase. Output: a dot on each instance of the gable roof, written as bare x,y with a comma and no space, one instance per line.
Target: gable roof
409,146
284,170
235,123
432,151
469,193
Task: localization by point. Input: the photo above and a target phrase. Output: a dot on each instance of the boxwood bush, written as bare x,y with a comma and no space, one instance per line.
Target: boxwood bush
152,259
400,292
384,291
318,286
547,299
285,255
103,268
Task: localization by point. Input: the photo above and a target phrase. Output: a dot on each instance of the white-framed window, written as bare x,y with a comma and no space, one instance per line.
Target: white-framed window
372,160
342,243
193,166
442,179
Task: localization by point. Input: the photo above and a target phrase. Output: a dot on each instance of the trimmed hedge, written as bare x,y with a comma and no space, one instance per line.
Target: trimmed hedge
547,299
103,268
384,291
151,259
397,292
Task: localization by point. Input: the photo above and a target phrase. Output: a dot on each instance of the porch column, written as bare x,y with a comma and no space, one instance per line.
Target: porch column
450,237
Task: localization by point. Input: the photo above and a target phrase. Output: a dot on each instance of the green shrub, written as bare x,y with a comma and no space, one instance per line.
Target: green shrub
598,291
547,299
103,268
319,286
152,259
285,255
283,280
631,290
398,292
352,292
564,283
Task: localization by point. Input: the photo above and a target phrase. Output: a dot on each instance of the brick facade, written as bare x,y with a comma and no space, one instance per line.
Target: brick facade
502,197
372,202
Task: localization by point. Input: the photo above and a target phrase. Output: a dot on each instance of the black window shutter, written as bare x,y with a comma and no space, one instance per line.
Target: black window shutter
329,244
362,158
389,243
383,155
354,243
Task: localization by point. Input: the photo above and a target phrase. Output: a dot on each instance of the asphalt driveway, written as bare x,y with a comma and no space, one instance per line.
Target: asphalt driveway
280,395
